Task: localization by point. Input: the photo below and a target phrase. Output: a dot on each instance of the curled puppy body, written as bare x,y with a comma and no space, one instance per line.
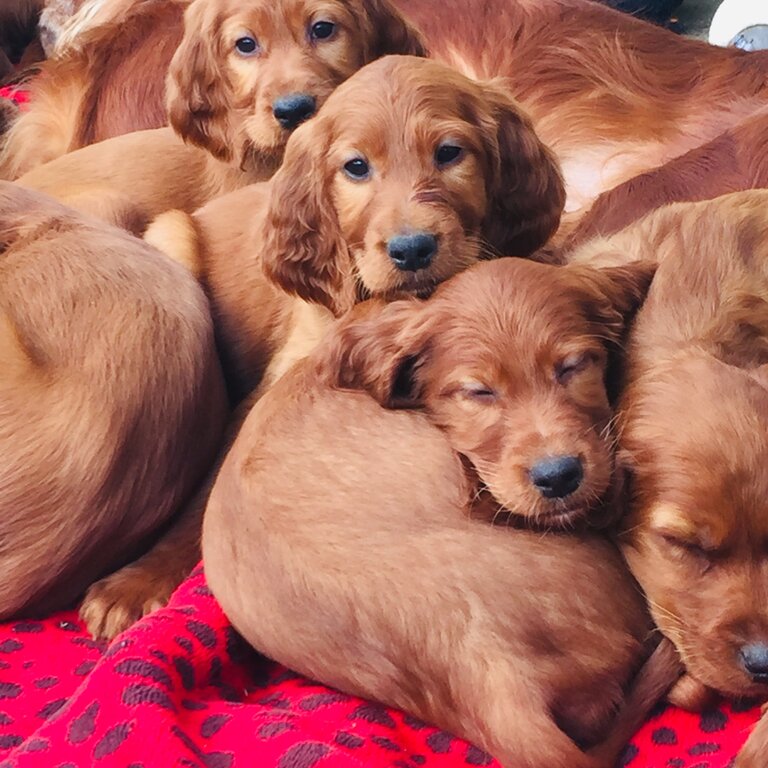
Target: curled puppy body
111,398
694,440
243,77
349,542
405,154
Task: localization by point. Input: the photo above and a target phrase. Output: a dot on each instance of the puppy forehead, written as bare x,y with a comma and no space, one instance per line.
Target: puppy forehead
276,19
401,92
515,309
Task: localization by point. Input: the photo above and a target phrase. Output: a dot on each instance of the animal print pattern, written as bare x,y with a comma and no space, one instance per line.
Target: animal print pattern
182,689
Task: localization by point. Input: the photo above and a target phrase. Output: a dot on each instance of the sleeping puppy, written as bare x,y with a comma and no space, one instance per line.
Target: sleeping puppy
694,438
111,399
410,173
348,541
244,76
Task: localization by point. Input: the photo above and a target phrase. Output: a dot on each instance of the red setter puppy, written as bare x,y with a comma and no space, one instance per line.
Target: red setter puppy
342,539
632,95
233,106
694,439
397,184
736,160
97,454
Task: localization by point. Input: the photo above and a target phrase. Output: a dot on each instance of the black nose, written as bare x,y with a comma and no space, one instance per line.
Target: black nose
557,477
293,109
412,252
754,659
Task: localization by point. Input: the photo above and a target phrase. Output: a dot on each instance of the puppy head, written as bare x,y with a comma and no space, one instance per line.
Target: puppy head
248,72
410,173
509,358
695,441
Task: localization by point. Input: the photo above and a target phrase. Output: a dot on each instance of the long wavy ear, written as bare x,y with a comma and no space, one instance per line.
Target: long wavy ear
199,94
304,251
378,348
525,188
389,32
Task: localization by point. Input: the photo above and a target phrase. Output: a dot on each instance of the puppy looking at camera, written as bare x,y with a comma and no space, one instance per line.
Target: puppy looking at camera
409,173
245,74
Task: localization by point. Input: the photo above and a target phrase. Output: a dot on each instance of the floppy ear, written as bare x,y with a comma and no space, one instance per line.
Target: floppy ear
525,189
304,251
614,294
378,347
199,94
390,33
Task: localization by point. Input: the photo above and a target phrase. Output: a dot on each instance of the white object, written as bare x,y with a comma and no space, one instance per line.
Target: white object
735,16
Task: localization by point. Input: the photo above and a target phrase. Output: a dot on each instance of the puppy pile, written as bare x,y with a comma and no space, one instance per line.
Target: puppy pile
442,336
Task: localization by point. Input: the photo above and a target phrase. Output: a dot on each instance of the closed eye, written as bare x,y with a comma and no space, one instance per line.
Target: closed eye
573,364
690,548
478,393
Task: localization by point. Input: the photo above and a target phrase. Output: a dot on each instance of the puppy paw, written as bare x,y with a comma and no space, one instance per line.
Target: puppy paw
688,693
118,601
753,753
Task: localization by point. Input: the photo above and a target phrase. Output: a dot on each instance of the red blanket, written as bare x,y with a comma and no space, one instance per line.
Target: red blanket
182,689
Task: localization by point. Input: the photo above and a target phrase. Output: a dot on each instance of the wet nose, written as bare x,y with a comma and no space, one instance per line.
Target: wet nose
412,252
293,109
754,659
558,476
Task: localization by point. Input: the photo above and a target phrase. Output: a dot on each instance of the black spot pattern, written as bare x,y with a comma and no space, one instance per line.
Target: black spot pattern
303,755
664,736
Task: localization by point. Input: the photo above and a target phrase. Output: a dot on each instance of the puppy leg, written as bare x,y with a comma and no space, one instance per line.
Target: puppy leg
755,752
117,601
688,693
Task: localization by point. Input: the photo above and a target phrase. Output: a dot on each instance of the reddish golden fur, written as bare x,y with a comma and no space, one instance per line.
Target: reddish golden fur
221,104
314,233
97,454
342,562
508,383
734,161
632,95
321,236
694,435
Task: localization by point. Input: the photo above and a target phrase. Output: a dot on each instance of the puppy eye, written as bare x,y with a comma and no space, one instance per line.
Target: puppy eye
479,393
246,46
357,169
322,30
446,154
690,547
567,368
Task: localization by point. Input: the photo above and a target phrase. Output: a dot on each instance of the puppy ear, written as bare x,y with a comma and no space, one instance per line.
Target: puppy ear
378,348
390,33
197,88
526,194
614,294
304,251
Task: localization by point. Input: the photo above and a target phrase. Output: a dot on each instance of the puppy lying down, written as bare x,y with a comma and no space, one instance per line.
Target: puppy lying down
111,398
694,441
353,543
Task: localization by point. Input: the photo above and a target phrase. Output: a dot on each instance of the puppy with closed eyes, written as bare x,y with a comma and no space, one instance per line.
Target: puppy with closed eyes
349,542
245,74
410,173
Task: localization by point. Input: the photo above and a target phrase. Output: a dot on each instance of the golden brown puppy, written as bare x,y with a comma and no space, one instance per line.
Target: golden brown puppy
342,539
694,437
410,173
245,75
632,95
111,398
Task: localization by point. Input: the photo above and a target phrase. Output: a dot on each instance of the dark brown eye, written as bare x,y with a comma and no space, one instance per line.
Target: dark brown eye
569,366
246,46
357,169
322,30
446,154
